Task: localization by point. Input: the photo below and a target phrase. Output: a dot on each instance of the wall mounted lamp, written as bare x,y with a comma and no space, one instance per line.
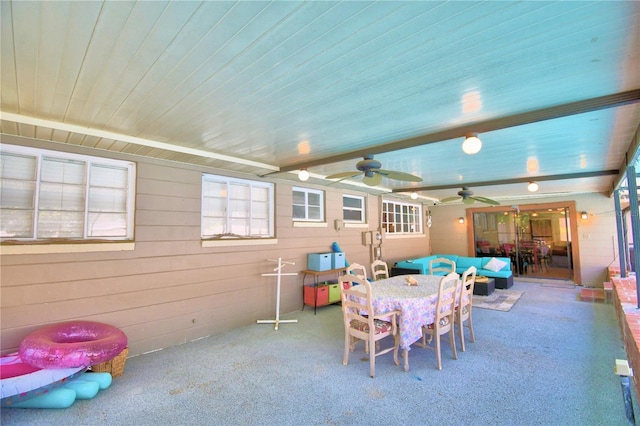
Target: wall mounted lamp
303,175
414,195
584,215
532,187
472,144
461,219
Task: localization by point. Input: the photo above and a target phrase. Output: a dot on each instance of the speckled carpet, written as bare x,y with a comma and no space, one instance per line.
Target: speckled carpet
549,361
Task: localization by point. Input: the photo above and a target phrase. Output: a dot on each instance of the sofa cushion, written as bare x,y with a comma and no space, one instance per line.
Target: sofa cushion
453,257
496,264
465,263
421,264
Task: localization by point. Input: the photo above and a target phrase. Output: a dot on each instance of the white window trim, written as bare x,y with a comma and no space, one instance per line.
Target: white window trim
303,224
391,235
6,250
226,241
83,241
364,209
239,242
307,191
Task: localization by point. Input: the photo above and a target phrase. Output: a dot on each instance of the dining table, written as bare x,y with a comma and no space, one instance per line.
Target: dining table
416,304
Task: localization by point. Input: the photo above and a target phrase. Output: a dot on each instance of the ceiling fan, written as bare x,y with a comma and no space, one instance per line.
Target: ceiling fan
373,174
467,197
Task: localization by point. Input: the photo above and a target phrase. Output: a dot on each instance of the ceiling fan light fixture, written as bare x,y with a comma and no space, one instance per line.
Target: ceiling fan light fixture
532,187
472,144
303,175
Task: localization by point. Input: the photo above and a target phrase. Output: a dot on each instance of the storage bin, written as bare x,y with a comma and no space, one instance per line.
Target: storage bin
334,293
319,261
321,298
114,366
337,260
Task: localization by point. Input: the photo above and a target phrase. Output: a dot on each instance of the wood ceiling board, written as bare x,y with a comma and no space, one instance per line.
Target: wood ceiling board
503,124
547,189
8,127
573,145
255,79
8,77
146,37
43,133
75,138
220,48
60,136
400,126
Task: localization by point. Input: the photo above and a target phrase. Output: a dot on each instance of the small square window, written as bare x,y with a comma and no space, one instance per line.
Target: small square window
308,205
353,208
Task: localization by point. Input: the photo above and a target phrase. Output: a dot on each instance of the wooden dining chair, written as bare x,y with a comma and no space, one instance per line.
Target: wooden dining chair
444,318
379,270
358,270
441,266
465,305
370,328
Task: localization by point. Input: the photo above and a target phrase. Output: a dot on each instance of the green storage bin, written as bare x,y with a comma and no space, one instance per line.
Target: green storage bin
334,293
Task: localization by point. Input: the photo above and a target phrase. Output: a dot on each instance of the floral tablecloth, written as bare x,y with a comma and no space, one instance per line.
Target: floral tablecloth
416,304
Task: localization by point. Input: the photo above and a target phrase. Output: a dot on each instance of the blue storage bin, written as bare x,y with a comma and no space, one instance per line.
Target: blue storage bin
337,260
319,261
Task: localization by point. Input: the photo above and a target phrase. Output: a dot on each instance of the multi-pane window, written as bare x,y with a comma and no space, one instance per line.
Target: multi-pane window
54,195
236,208
308,205
353,208
401,218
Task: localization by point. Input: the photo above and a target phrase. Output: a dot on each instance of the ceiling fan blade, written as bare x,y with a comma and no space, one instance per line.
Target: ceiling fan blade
449,199
372,180
343,175
487,201
469,200
399,175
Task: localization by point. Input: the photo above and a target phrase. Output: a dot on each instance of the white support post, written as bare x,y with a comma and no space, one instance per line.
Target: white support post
278,274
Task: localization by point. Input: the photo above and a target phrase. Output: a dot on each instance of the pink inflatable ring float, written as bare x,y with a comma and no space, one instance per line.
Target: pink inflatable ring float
72,344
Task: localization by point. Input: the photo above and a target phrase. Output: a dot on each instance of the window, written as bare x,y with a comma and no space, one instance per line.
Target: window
55,195
236,208
308,205
353,208
401,218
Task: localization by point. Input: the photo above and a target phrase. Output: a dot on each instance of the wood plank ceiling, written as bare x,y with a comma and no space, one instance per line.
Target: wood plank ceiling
264,87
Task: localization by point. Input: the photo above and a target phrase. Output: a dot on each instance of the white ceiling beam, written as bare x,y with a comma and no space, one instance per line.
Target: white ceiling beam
17,118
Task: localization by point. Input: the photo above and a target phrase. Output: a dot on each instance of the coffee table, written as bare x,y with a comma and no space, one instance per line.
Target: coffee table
484,286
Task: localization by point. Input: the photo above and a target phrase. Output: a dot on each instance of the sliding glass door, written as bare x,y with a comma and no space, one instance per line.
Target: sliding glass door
536,240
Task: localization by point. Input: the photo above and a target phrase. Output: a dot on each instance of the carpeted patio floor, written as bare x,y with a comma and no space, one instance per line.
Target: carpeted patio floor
499,300
547,361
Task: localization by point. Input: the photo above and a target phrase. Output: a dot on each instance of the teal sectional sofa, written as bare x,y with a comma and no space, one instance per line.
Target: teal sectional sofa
503,276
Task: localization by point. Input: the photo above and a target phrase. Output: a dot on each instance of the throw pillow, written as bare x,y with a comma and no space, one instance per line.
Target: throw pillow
495,265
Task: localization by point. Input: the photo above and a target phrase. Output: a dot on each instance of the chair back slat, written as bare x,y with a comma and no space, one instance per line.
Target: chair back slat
379,270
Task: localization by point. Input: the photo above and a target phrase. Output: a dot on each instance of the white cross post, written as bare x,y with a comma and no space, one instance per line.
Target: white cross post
278,274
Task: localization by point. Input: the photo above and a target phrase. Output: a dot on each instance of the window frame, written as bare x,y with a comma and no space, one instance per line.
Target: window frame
321,207
390,226
230,184
363,210
87,208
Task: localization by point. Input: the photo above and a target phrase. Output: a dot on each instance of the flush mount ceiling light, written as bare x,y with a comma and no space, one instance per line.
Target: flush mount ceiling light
414,195
303,175
532,187
472,144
